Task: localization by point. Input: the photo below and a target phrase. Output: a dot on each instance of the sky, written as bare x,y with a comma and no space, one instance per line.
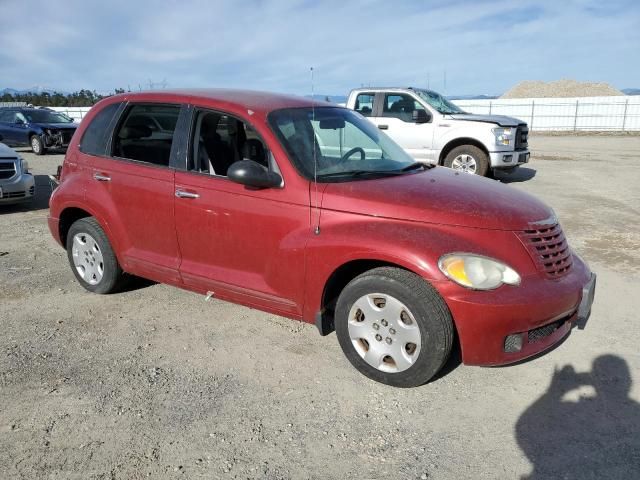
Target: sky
481,46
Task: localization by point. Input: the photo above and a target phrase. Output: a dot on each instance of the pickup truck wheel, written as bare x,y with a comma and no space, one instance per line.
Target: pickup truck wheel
394,327
468,159
91,257
37,145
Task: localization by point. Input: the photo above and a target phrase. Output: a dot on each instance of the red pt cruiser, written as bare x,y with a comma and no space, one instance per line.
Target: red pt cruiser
306,210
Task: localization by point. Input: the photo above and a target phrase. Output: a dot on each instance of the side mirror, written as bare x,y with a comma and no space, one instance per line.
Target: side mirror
252,174
421,116
19,121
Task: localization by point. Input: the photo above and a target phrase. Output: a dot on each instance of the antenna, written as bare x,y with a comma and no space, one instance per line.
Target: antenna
316,230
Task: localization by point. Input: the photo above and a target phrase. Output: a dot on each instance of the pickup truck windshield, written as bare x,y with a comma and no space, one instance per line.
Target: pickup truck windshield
438,102
345,145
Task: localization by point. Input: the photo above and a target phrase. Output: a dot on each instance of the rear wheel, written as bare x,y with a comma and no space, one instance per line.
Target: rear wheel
91,257
37,145
468,159
394,327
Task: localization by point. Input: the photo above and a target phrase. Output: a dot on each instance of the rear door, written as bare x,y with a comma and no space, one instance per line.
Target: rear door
393,114
136,179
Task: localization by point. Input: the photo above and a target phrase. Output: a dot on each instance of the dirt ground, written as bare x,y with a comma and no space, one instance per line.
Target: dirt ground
156,382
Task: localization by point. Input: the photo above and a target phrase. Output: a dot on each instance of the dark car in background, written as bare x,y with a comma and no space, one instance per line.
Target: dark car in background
39,128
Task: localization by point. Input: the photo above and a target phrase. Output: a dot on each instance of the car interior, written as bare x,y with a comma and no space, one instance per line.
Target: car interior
220,140
135,140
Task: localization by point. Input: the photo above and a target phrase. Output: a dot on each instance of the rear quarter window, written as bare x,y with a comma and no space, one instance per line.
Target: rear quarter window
95,137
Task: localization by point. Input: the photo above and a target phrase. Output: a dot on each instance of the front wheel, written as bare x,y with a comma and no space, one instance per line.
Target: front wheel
91,257
37,145
468,159
394,327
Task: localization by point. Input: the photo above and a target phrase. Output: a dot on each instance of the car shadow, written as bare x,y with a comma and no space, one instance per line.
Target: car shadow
520,174
585,426
40,200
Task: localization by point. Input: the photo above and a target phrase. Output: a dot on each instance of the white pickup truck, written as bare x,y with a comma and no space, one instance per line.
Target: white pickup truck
432,129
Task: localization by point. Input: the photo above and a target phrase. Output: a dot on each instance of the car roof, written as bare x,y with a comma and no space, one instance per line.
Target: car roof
257,101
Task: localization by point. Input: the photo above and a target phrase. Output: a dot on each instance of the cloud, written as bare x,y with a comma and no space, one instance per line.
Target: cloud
484,46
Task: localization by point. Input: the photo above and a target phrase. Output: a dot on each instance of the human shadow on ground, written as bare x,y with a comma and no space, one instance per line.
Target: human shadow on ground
569,434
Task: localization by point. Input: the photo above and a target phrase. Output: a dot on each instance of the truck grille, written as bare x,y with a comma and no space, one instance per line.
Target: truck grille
522,137
549,249
7,169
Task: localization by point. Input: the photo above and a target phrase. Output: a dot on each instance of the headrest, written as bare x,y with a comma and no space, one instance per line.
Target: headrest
134,131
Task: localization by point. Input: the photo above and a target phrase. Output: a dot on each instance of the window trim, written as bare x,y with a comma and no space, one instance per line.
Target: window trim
122,118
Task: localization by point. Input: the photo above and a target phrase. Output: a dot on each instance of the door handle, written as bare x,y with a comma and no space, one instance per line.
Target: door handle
383,127
101,178
183,194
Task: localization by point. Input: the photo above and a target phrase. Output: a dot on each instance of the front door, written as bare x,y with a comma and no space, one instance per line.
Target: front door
241,244
395,118
137,178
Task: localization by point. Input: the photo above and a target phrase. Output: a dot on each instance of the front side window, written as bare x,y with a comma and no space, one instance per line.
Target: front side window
336,144
401,106
364,104
220,140
135,139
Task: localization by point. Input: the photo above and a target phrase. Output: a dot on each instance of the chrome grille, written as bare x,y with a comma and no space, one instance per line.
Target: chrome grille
522,137
549,249
7,169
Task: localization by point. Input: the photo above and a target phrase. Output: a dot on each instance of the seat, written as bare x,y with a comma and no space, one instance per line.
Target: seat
254,150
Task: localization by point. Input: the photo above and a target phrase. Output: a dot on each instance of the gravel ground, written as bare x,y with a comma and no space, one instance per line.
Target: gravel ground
156,382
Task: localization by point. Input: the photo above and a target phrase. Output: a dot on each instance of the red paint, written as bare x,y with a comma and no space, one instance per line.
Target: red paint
258,248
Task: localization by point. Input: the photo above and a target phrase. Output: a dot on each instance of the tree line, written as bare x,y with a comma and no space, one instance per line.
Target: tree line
81,98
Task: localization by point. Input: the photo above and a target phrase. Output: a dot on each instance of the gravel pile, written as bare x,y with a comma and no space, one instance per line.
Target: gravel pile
560,88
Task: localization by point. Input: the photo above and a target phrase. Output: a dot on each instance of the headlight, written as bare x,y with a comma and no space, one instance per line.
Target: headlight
503,135
24,166
477,272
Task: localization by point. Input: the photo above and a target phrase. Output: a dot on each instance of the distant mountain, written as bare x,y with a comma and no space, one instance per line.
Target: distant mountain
35,89
631,91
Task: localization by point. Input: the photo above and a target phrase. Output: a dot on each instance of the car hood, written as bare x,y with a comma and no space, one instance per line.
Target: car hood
501,120
7,152
439,195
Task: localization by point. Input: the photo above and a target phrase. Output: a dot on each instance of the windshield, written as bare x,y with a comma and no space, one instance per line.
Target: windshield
438,102
46,116
345,144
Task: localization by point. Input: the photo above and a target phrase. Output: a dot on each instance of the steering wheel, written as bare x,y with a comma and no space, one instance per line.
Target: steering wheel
351,152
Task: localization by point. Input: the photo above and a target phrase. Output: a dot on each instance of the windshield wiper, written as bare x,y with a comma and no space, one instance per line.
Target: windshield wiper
359,173
416,165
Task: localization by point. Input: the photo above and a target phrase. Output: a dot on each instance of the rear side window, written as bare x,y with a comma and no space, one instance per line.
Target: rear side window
94,140
146,134
364,104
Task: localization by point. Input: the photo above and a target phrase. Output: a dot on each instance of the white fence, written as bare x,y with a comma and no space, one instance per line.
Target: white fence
77,113
620,113
585,113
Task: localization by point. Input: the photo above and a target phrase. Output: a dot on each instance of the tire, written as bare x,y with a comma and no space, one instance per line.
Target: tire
408,337
37,145
468,159
92,259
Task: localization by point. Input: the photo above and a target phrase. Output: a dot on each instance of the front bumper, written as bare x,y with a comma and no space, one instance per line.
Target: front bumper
540,312
21,188
509,159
